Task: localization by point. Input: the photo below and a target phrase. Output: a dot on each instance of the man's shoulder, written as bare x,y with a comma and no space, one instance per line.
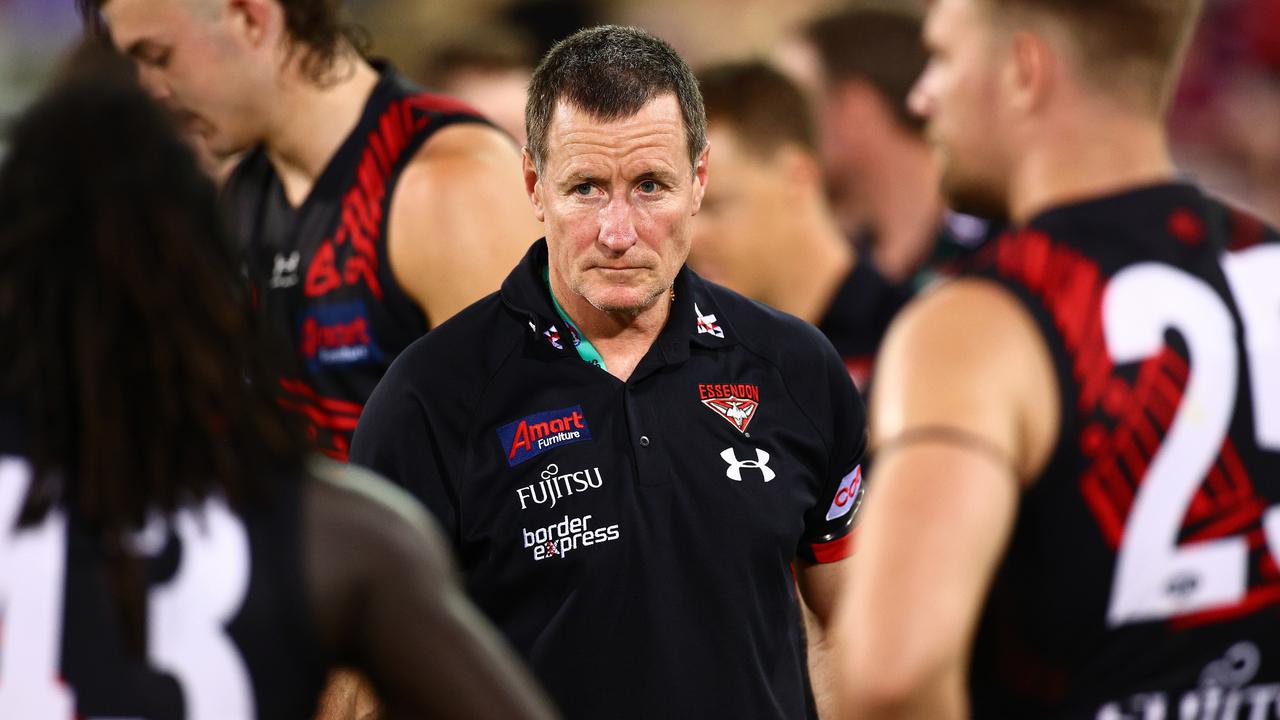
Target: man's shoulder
776,336
461,352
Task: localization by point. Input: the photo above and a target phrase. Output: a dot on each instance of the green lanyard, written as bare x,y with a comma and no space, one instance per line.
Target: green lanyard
585,349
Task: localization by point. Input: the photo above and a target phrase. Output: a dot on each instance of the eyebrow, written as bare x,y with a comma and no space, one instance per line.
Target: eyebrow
138,48
579,176
661,174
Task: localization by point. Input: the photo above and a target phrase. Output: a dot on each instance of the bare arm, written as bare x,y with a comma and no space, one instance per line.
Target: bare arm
386,597
819,586
459,219
338,701
347,696
965,406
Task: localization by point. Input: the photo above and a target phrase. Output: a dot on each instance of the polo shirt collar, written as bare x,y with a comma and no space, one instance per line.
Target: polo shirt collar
695,319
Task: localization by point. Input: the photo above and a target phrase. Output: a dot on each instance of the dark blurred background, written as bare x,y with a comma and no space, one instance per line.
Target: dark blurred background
1226,124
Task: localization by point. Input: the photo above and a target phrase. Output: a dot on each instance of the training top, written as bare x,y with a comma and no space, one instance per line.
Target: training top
634,540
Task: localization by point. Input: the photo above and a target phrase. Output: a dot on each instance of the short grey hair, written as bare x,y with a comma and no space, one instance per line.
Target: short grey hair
611,72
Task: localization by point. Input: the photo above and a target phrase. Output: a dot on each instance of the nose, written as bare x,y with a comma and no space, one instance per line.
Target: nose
153,82
919,100
617,226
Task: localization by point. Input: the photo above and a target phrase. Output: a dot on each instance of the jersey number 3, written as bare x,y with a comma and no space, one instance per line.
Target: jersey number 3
1156,578
186,617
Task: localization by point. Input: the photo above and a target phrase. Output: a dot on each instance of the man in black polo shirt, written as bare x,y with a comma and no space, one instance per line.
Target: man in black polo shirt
628,459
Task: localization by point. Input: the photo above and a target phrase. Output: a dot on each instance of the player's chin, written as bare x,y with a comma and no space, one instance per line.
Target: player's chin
969,196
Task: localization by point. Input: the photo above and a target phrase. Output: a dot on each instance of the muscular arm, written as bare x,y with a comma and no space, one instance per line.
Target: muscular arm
386,599
819,585
965,405
459,219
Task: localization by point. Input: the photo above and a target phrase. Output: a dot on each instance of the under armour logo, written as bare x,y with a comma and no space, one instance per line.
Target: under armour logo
284,271
761,463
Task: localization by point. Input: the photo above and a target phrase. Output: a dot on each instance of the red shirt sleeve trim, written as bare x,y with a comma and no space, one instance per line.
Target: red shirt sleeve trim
836,550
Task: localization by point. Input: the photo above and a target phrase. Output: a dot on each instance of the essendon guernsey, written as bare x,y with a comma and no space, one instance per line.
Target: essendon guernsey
1142,580
321,270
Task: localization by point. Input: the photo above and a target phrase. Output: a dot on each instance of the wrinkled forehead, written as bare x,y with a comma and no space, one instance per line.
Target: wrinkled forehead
654,133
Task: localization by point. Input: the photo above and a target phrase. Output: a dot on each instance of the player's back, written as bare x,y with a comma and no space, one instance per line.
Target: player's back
1141,580
223,630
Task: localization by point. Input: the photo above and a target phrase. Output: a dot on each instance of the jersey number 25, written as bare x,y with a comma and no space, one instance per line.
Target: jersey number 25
1141,303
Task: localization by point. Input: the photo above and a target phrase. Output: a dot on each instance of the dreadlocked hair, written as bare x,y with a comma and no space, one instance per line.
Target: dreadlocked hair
127,339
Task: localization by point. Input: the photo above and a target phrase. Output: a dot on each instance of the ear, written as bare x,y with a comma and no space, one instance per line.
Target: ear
857,100
801,169
700,177
532,184
1033,71
257,22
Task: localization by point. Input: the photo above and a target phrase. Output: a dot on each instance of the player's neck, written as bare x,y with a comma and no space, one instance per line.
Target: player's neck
313,120
622,339
903,205
804,280
1093,157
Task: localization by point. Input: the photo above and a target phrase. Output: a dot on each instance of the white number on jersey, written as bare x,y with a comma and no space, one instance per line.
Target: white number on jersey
187,616
1156,578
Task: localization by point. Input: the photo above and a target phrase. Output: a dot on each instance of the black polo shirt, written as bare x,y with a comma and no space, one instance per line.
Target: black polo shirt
633,540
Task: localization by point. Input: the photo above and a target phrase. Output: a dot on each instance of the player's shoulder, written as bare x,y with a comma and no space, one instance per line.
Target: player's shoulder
775,336
1243,228
359,532
470,140
459,355
969,313
362,506
454,160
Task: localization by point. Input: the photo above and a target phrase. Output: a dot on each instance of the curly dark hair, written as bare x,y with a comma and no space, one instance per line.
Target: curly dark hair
129,347
319,29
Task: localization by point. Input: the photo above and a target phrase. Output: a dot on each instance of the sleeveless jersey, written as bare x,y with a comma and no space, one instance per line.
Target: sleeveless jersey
1141,580
323,280
228,632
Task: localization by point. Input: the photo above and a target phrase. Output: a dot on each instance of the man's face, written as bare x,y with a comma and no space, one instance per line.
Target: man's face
190,58
958,96
618,199
740,226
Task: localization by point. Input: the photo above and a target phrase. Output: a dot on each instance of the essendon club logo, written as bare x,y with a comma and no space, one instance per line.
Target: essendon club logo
735,404
535,434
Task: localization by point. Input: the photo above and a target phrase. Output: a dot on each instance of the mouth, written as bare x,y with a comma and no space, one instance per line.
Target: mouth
190,122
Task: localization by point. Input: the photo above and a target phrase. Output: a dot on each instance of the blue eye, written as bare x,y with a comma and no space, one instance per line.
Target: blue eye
582,189
648,186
